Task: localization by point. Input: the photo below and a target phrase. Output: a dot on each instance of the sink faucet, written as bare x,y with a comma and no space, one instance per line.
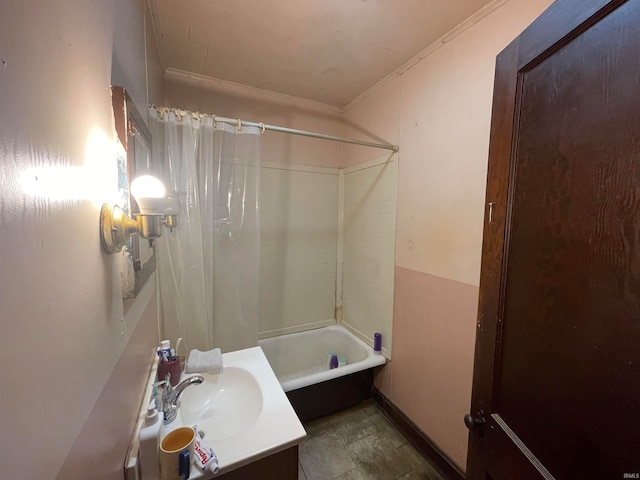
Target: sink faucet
170,396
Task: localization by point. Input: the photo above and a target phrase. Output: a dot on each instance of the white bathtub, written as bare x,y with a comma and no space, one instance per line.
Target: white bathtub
301,359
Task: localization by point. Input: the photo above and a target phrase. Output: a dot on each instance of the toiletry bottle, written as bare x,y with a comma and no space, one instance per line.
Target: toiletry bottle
342,362
377,343
334,362
148,456
330,355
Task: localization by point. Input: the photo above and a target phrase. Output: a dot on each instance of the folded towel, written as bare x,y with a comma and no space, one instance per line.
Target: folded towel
208,362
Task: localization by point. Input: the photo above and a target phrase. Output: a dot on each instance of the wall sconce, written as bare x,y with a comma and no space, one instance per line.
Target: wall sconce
156,209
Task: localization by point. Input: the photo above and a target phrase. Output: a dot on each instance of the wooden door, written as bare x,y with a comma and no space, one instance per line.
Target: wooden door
556,390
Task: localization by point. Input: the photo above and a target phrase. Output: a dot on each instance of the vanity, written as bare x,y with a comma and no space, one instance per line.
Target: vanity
278,466
244,416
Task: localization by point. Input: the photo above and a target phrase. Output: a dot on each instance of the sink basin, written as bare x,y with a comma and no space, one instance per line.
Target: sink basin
243,412
223,405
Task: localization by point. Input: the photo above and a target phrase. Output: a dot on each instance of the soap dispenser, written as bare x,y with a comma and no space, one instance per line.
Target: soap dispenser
149,461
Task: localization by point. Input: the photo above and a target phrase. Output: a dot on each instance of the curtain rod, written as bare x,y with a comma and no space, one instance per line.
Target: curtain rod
239,123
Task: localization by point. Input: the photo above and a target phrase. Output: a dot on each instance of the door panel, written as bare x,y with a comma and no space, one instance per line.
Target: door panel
557,376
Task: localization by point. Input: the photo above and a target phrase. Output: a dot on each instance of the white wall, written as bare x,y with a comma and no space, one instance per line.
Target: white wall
63,324
299,225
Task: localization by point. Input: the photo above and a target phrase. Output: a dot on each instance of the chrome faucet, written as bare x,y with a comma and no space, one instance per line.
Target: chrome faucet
171,395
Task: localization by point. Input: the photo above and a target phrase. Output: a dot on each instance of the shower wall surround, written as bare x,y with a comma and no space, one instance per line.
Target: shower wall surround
299,224
369,226
328,240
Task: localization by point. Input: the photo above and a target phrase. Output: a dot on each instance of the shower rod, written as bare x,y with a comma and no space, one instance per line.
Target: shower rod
240,123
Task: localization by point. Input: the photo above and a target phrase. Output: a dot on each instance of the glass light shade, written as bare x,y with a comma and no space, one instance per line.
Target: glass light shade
147,186
150,193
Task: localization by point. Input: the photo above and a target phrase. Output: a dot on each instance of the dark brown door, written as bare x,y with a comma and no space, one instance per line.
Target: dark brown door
556,390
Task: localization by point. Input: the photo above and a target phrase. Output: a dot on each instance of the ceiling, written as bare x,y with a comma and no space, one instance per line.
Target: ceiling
329,51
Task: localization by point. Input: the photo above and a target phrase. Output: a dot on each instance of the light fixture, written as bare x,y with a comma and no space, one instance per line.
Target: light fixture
156,209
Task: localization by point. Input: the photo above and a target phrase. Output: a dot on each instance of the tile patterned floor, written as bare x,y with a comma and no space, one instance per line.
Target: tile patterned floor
359,444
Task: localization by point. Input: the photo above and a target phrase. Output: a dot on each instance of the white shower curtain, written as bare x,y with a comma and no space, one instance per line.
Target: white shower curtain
208,267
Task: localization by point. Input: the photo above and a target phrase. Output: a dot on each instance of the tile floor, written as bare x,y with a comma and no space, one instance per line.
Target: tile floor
359,444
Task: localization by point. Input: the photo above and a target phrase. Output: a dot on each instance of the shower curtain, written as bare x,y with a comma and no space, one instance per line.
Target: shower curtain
208,267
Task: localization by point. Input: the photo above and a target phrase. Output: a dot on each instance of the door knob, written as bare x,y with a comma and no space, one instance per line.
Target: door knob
473,422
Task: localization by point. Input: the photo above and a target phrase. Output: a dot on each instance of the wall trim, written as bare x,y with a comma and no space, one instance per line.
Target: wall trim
132,461
155,25
246,91
417,437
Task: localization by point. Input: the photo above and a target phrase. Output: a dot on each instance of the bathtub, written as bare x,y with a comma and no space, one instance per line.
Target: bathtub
301,364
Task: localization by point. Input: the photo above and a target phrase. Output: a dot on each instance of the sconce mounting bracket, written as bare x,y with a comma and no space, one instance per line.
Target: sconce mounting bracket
115,228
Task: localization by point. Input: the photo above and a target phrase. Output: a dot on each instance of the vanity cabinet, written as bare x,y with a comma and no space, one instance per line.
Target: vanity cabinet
279,466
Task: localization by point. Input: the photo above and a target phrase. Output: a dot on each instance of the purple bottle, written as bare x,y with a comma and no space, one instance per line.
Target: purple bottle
377,343
334,362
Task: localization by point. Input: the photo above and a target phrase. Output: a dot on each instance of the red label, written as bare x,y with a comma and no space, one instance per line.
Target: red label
204,455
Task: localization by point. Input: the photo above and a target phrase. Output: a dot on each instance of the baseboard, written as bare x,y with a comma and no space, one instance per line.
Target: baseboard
418,438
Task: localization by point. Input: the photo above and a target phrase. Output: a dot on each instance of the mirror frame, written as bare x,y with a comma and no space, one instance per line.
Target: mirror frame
128,124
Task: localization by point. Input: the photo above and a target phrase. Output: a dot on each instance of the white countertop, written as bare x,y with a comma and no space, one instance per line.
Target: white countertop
276,427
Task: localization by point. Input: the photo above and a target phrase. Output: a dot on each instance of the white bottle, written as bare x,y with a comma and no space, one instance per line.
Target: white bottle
148,456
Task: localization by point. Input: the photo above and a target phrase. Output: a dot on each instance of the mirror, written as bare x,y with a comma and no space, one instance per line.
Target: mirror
134,138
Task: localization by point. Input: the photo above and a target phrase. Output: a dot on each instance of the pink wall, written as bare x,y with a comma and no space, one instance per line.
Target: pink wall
433,344
439,112
70,351
101,446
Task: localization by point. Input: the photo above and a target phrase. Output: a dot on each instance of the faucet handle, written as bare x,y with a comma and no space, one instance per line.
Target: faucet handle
167,394
168,389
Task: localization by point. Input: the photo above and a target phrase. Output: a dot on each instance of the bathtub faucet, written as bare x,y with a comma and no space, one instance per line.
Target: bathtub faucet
171,395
